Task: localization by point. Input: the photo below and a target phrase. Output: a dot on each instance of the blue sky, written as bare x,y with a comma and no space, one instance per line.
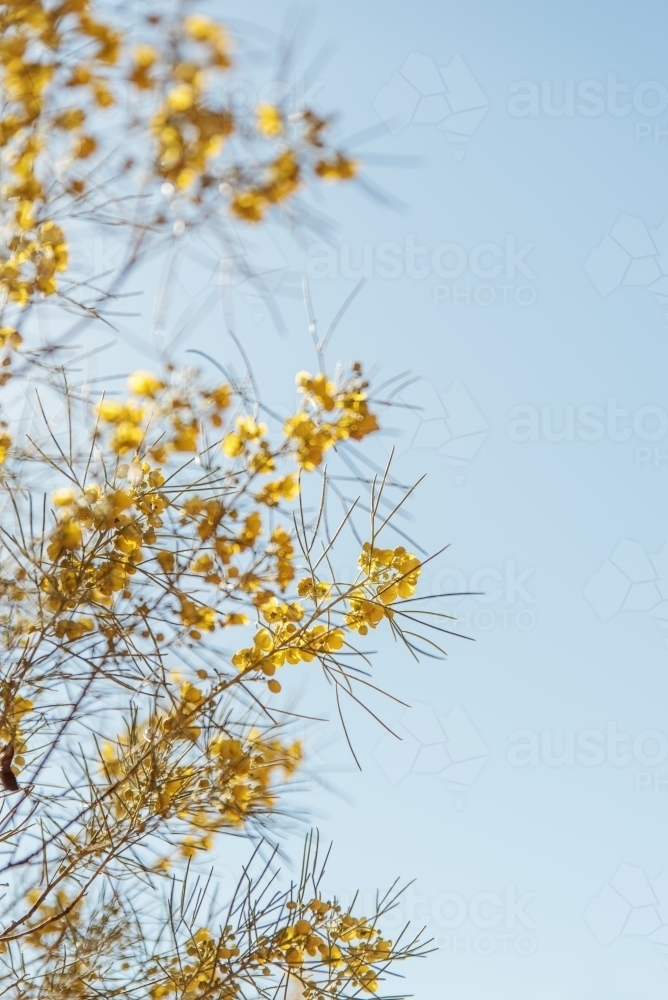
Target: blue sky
527,300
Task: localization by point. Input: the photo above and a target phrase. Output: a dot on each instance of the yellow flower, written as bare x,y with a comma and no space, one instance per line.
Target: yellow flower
190,693
341,168
185,436
63,497
249,430
317,591
110,411
220,397
201,28
9,337
127,437
181,97
269,120
319,387
202,564
249,205
25,215
283,177
234,618
70,119
286,488
145,55
144,58
166,560
85,147
145,384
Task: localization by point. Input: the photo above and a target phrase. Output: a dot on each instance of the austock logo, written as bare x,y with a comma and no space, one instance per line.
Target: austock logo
448,747
597,747
593,422
589,99
422,93
448,422
631,579
631,904
631,256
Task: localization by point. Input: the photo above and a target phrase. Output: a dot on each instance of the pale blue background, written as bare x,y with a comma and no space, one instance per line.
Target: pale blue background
558,509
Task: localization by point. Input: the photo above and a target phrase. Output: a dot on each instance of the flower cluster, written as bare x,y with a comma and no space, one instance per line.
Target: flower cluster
170,565
135,526
317,943
188,133
62,66
36,253
389,575
164,550
224,782
330,414
55,61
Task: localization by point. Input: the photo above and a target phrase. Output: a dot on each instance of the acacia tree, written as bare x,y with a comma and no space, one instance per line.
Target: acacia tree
144,536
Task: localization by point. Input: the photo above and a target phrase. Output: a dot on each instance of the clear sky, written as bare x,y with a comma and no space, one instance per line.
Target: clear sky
519,277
